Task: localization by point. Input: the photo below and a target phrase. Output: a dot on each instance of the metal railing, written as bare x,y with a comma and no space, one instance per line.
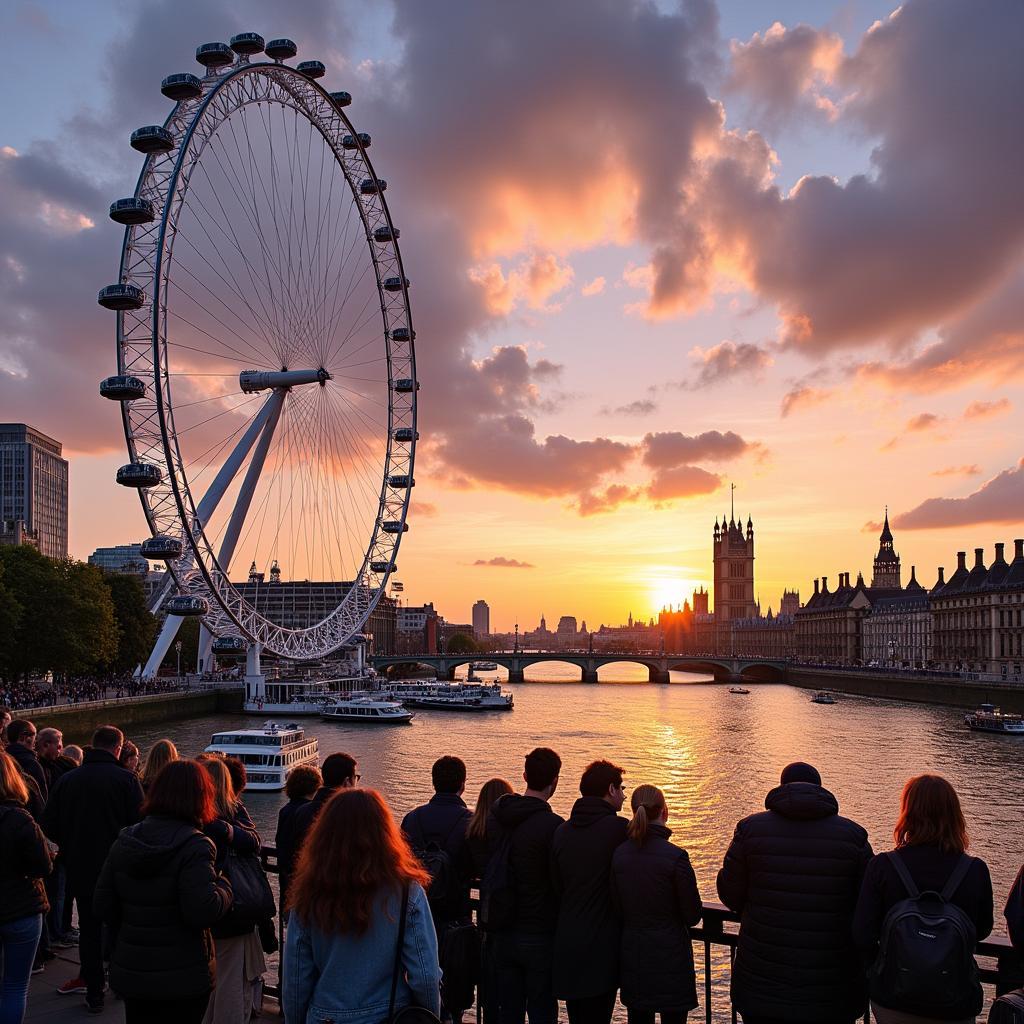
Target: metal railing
718,931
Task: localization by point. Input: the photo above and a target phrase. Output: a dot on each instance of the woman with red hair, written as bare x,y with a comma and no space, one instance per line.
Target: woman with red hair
357,890
930,858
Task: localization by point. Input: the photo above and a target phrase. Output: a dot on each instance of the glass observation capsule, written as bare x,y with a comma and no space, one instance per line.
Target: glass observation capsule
186,604
311,68
394,284
162,548
372,186
132,211
281,49
401,480
120,297
403,334
394,526
139,474
215,55
247,43
341,98
184,86
153,138
405,434
122,388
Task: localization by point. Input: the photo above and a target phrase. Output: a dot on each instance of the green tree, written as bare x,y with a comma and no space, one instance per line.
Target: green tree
86,626
460,643
136,626
10,617
32,581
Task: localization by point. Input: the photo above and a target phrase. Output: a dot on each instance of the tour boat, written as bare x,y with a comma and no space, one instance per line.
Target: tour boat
484,666
823,697
298,696
269,754
432,695
988,718
366,710
738,689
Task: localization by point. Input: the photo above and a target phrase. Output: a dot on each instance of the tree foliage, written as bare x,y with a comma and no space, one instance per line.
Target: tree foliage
460,643
136,625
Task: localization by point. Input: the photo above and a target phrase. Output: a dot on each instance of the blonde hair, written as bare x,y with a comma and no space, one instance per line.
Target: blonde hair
223,791
489,792
162,752
12,785
648,803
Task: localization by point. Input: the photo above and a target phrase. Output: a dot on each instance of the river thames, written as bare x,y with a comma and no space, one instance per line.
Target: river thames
714,754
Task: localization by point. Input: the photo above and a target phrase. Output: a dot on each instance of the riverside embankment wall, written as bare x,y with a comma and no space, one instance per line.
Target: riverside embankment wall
79,721
960,693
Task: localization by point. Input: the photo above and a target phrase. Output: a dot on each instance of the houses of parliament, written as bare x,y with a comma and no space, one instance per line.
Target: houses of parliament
971,622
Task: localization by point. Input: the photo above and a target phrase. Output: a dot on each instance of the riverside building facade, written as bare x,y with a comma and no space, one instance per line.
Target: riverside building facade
33,490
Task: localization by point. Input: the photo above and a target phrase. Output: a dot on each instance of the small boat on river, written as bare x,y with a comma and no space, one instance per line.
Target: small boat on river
366,711
823,697
738,689
988,718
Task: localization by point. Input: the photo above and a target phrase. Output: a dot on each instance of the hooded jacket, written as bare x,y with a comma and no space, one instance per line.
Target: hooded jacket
25,863
443,821
28,762
532,824
159,893
793,873
586,954
655,889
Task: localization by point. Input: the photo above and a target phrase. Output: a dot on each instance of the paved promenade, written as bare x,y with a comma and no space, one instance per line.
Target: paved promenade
44,1004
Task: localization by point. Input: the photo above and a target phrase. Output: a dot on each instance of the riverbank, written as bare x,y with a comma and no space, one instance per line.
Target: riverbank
78,721
957,693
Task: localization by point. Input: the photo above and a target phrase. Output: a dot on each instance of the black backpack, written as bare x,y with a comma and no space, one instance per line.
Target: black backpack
445,888
1008,1009
497,887
926,952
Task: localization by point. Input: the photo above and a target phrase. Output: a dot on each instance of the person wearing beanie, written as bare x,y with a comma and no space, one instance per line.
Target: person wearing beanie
793,873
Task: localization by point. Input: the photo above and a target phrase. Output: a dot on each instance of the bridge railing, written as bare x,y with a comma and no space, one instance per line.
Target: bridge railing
714,942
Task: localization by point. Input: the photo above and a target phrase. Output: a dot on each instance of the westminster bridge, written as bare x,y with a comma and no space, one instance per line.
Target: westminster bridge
658,665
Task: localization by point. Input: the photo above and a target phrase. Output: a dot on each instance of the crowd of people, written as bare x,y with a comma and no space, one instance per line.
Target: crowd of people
35,694
175,913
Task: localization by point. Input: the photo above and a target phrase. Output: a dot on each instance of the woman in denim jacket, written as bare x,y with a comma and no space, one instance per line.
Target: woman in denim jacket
345,899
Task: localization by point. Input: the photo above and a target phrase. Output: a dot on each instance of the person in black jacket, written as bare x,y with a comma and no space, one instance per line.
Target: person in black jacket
302,783
522,949
49,748
655,891
339,771
86,810
1013,912
793,873
21,745
931,840
25,863
159,893
442,822
586,947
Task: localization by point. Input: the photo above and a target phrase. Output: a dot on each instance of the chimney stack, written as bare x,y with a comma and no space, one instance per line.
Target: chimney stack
816,586
942,577
961,560
999,552
1018,550
824,584
979,558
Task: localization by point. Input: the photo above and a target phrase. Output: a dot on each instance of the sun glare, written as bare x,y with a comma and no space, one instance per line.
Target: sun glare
669,592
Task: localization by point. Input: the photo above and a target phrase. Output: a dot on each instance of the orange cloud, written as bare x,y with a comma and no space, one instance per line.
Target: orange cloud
533,282
983,410
594,287
803,397
1000,500
501,562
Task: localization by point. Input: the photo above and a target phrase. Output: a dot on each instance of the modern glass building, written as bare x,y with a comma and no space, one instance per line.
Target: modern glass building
33,490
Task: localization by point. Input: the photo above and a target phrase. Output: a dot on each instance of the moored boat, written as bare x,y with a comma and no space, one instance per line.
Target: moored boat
366,711
738,689
823,697
988,718
269,754
439,696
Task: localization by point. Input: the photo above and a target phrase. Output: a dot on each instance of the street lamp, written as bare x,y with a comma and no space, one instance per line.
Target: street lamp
515,642
177,648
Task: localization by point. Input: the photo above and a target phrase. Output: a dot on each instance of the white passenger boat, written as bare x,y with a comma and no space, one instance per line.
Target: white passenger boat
823,697
432,695
988,718
269,754
366,711
290,698
484,666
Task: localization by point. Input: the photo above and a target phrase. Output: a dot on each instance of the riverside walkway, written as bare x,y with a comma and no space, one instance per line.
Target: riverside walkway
714,941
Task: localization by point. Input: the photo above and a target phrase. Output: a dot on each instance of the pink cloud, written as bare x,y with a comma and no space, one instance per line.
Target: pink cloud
984,410
802,397
501,562
594,287
727,360
669,449
999,500
972,470
682,482
533,282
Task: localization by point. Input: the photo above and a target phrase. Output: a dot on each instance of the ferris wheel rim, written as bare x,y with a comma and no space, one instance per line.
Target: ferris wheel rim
214,579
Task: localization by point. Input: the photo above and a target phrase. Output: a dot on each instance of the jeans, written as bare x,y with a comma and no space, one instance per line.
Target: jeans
166,1011
592,1009
56,884
18,941
647,1016
90,943
523,968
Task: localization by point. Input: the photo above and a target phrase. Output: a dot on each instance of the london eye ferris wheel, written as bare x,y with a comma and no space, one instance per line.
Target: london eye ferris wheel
266,370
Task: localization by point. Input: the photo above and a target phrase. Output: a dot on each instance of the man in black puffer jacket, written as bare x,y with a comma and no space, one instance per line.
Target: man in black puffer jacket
793,873
588,935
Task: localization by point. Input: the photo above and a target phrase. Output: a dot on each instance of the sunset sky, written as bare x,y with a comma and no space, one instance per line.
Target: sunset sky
655,249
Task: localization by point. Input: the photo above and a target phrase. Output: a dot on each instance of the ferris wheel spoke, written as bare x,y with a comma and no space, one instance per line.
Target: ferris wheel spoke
361,321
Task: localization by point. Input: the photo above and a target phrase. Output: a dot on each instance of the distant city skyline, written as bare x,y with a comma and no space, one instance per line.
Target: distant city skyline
612,327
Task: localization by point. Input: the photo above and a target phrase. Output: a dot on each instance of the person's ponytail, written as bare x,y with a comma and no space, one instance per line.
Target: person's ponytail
647,802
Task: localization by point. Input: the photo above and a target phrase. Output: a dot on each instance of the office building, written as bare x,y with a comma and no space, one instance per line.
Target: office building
33,490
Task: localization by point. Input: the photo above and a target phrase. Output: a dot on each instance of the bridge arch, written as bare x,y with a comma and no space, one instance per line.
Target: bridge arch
763,673
655,673
525,662
701,667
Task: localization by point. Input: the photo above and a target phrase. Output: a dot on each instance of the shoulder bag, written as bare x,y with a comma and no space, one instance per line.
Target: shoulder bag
408,1014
